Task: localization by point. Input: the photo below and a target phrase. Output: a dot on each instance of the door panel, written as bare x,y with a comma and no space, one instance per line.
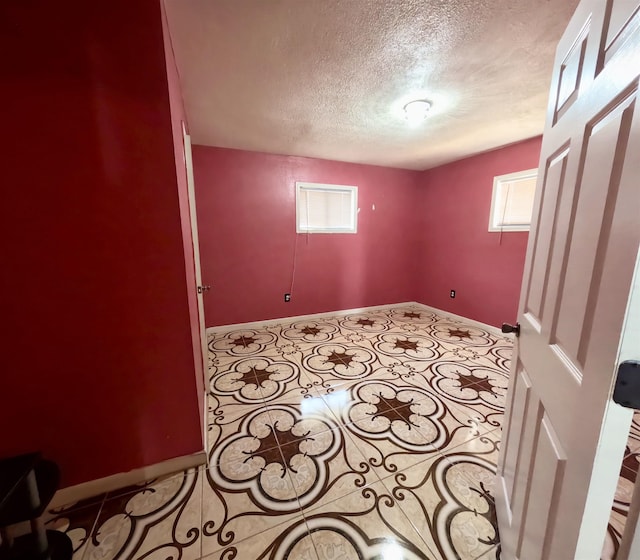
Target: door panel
515,426
580,262
571,72
622,17
618,18
596,193
546,477
551,187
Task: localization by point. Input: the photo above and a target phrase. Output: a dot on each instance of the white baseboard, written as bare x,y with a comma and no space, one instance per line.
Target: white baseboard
490,328
339,313
114,482
342,312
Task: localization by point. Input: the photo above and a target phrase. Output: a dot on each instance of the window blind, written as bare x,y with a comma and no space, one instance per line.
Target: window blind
512,201
515,201
324,208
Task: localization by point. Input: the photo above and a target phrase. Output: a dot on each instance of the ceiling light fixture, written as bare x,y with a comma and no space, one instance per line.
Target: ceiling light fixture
416,111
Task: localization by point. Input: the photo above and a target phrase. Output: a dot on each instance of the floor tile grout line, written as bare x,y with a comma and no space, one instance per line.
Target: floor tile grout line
438,397
487,552
296,512
313,541
469,409
341,421
252,536
291,481
439,456
94,528
417,530
202,474
346,434
380,481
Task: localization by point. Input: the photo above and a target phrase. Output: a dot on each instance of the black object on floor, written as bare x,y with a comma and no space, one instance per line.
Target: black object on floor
27,485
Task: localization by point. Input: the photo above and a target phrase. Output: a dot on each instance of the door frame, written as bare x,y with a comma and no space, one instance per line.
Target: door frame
193,220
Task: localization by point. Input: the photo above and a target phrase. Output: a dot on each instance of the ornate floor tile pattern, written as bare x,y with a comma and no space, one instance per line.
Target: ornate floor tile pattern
160,519
371,435
624,491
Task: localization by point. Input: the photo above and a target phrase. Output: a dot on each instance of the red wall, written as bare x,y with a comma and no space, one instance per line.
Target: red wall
98,362
457,252
246,221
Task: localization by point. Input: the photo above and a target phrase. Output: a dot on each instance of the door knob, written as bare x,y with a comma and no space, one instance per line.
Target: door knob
507,328
202,289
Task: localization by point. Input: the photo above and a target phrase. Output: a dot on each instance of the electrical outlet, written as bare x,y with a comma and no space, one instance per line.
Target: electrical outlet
287,298
452,294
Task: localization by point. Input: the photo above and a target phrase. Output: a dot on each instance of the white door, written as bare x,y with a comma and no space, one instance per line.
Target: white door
201,290
563,438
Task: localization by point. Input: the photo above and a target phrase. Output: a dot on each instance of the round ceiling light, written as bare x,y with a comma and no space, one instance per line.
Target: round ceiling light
416,111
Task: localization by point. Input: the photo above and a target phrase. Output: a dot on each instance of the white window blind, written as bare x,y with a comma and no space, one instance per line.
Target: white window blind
512,202
326,208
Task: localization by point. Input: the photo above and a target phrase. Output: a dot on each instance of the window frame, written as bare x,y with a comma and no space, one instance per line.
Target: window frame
352,190
498,181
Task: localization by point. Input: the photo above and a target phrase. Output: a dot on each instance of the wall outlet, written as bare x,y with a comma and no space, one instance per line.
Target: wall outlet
452,294
287,298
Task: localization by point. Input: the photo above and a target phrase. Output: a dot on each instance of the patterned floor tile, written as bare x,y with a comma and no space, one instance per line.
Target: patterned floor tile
242,500
479,457
327,467
613,537
299,419
493,554
309,333
290,540
622,500
634,435
446,507
77,521
368,523
160,521
241,343
474,411
223,421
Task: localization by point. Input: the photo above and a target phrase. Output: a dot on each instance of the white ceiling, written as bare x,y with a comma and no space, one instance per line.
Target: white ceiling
329,78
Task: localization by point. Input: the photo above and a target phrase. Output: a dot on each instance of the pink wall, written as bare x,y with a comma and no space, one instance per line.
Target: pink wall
457,251
98,362
246,220
427,235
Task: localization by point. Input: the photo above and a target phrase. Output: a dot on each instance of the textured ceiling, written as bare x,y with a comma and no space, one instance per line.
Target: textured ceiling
329,78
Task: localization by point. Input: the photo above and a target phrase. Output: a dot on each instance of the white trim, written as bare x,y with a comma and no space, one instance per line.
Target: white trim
116,481
497,183
493,330
270,322
202,331
339,313
205,396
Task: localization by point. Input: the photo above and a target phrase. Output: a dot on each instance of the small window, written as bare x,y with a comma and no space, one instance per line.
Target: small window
512,201
326,208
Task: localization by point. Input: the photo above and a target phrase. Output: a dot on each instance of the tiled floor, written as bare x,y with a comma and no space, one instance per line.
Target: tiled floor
358,437
626,482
